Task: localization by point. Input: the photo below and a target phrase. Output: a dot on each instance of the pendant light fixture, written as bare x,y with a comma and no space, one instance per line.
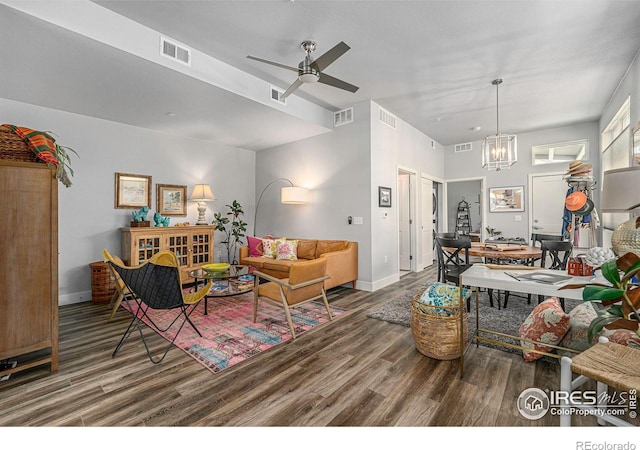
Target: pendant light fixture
499,151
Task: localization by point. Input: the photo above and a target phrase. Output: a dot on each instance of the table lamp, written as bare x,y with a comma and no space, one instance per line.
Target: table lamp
621,194
201,194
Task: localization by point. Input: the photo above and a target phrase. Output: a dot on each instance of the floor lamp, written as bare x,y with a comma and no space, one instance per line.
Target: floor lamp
620,194
289,195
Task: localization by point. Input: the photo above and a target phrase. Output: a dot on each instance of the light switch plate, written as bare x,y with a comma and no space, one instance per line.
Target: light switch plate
357,221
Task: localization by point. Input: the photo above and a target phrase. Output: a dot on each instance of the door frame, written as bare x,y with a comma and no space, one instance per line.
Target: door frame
413,208
530,196
483,201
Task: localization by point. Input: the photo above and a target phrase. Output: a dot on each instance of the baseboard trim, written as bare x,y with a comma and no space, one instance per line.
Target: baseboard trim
75,297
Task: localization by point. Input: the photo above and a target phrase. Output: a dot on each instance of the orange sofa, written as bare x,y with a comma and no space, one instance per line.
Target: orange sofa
341,256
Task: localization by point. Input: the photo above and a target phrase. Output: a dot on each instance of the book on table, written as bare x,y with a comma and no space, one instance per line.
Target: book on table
540,277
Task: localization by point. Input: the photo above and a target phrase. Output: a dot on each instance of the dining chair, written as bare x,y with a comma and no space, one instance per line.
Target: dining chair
156,284
452,235
454,261
559,252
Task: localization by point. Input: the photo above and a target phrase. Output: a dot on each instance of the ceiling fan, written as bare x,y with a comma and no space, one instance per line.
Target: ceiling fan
311,71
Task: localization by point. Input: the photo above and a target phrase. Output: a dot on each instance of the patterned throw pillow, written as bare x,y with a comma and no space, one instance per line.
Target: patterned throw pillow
255,246
547,324
441,294
580,318
269,248
287,249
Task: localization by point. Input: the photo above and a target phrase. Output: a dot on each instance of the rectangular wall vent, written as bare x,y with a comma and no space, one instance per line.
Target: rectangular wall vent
175,51
342,117
387,118
433,144
466,147
276,95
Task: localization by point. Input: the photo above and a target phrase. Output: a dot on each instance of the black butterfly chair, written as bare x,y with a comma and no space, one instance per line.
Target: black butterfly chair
454,261
156,284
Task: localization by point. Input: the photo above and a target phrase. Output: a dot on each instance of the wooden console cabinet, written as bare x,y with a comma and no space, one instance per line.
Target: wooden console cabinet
28,265
192,245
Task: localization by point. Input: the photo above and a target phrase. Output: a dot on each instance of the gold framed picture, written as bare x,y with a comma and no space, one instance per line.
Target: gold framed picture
506,199
132,191
171,199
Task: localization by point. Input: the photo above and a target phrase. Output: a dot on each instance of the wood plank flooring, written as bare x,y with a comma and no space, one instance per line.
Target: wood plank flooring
357,371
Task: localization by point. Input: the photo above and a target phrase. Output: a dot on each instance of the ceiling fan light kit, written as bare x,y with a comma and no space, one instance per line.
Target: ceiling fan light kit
499,151
311,71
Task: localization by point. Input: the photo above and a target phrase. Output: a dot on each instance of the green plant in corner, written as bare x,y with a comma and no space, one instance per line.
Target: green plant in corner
233,227
620,300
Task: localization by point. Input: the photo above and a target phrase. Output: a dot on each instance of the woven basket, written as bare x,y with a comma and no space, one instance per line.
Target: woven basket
437,336
103,284
13,148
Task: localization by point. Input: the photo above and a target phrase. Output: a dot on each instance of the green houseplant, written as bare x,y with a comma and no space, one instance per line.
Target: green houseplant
233,227
620,299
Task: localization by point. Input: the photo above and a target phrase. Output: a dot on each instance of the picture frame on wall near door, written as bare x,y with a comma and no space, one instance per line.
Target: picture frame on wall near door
506,199
384,197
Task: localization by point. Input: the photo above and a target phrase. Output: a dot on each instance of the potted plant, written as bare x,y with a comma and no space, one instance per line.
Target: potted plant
492,232
620,299
233,227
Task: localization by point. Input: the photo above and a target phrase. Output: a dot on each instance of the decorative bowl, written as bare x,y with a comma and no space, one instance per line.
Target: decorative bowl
216,267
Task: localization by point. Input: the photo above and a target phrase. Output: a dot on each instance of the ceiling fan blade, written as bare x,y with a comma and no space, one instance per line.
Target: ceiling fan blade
332,81
296,84
330,56
272,63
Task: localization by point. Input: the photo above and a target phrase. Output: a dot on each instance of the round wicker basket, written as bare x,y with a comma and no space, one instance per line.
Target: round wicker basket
13,148
437,336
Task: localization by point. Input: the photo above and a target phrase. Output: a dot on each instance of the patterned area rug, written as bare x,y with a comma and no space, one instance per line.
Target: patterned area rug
229,335
506,320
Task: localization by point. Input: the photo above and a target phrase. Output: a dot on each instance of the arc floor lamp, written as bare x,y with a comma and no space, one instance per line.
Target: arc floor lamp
289,195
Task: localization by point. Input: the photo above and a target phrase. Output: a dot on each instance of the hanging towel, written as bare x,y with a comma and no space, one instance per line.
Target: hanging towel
42,144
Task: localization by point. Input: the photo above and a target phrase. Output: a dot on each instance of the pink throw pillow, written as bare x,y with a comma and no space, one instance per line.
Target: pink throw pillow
255,246
546,324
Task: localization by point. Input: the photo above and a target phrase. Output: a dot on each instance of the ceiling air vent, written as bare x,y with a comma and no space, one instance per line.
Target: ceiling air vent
387,118
276,95
342,117
175,51
466,147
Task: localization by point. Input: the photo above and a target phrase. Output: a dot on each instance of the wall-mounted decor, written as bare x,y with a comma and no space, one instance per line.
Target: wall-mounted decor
132,191
506,199
384,197
171,199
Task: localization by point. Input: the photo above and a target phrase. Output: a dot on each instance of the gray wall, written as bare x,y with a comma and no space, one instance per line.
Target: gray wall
468,165
88,221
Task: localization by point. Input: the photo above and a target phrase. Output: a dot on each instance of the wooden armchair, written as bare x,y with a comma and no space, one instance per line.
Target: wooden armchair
305,284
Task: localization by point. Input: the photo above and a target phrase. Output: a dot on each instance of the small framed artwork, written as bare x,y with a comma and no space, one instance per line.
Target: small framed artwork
171,199
506,199
384,197
132,191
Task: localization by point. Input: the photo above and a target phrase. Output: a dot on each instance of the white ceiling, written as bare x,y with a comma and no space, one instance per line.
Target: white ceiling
429,62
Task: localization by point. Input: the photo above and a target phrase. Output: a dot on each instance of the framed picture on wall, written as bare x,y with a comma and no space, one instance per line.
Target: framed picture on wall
132,191
384,197
171,199
506,199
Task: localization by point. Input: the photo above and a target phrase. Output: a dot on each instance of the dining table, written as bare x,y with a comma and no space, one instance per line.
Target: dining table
500,252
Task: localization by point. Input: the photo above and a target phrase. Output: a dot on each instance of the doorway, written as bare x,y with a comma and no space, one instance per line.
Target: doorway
547,194
405,238
471,191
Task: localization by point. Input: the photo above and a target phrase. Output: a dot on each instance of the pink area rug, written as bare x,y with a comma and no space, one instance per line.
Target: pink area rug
229,335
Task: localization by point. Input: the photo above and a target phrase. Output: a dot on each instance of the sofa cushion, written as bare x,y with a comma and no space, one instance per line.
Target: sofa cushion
330,246
255,246
547,323
307,248
580,318
269,247
287,249
281,265
255,261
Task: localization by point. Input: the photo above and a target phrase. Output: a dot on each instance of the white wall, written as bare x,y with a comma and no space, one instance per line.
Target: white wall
629,86
468,165
88,221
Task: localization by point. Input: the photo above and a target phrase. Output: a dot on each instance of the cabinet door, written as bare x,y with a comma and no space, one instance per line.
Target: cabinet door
179,244
201,248
146,246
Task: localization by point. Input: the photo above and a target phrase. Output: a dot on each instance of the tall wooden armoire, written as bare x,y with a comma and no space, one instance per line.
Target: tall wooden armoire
28,264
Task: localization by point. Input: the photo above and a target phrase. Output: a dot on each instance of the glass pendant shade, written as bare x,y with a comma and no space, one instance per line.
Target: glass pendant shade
499,151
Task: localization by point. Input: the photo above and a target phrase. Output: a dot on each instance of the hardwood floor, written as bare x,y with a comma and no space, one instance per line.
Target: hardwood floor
357,371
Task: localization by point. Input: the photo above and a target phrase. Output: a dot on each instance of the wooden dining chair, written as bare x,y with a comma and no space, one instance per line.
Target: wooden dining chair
454,261
559,252
439,251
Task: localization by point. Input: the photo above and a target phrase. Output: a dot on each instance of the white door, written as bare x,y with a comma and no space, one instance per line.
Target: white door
427,224
547,203
404,227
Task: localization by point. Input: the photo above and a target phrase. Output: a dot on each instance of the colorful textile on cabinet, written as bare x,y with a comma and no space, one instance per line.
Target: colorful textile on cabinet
42,144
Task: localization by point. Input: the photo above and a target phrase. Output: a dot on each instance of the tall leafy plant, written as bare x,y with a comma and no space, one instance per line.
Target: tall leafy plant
620,300
233,227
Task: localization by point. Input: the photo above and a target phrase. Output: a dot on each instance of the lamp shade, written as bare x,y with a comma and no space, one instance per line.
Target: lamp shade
294,195
620,192
202,193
